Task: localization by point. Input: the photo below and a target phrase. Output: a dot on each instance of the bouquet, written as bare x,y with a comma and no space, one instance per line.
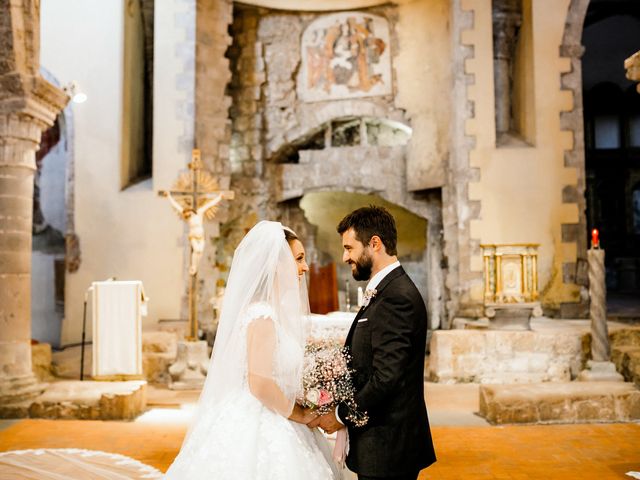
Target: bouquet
326,381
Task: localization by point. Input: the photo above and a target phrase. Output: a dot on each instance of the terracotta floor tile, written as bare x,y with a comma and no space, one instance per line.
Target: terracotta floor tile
581,452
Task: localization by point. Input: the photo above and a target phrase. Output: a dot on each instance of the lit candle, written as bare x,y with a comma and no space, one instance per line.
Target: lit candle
595,238
360,296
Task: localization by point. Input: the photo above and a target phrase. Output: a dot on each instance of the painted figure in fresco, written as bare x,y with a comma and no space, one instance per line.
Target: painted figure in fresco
344,54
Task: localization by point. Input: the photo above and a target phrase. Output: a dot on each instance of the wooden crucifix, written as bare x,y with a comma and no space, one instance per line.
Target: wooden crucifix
195,196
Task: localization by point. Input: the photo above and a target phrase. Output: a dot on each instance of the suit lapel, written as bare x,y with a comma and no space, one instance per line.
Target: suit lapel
395,273
353,326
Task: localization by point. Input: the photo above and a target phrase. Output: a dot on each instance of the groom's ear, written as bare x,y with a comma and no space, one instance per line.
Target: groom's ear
376,244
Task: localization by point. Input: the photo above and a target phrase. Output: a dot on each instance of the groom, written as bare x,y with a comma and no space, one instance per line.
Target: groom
387,343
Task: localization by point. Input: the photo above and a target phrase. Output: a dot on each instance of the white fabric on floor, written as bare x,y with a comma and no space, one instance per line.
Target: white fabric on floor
71,463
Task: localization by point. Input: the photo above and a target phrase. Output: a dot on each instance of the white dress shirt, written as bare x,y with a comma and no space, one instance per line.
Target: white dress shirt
378,277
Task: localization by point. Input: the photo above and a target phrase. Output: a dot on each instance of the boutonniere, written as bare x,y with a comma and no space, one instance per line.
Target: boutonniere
369,295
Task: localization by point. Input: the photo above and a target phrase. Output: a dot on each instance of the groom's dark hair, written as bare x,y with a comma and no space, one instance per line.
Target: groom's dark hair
369,221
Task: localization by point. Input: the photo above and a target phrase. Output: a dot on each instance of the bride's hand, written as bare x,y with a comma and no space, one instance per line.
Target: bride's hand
308,415
302,415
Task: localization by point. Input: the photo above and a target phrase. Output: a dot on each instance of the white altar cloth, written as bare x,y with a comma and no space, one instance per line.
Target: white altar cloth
118,307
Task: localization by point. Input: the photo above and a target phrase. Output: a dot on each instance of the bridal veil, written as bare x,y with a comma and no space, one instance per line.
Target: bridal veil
264,299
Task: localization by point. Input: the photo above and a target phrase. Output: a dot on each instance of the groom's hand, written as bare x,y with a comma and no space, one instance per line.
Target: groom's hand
329,423
314,423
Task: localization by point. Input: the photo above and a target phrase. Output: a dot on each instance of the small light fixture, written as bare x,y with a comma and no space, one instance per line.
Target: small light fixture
73,90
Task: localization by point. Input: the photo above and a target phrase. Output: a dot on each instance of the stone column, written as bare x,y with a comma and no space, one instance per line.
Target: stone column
507,18
28,105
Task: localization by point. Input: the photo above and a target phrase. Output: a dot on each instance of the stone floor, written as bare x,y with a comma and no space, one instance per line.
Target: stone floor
467,447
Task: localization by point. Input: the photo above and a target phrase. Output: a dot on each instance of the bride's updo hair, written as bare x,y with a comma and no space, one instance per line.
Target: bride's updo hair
289,234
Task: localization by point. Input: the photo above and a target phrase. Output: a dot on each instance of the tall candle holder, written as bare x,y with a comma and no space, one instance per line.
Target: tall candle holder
347,295
599,368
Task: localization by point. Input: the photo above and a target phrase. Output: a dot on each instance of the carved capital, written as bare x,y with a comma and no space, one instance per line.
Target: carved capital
28,106
632,66
31,96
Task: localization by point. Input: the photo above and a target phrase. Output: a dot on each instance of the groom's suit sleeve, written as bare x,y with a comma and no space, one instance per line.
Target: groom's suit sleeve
391,343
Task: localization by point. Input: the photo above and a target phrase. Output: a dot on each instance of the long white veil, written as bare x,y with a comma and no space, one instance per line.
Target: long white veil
263,283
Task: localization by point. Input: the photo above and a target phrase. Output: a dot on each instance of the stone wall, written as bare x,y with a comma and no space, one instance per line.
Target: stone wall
458,208
134,228
282,148
212,130
571,120
511,193
460,356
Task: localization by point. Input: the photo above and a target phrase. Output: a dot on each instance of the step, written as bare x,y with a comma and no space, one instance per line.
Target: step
560,402
88,400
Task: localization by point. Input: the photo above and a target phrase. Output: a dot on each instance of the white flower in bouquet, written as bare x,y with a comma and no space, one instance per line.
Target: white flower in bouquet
313,396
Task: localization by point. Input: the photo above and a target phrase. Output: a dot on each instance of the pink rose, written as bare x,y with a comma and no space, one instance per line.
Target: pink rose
325,398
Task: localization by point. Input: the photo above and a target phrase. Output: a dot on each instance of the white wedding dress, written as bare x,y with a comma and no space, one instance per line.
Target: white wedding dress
237,435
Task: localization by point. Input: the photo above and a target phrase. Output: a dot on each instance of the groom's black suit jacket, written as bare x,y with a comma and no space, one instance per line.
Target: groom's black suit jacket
387,343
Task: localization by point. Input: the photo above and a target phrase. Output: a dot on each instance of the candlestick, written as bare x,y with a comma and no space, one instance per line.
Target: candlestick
595,238
347,296
598,306
360,297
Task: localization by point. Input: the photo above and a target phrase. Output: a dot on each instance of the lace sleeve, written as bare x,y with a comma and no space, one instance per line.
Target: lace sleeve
261,350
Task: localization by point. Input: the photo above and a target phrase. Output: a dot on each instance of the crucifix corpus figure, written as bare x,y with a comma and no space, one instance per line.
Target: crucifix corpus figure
195,197
195,219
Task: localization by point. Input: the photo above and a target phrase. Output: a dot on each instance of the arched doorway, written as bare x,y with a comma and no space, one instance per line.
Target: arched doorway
612,143
324,210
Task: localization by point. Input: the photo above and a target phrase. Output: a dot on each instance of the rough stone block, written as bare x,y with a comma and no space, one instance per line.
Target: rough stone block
41,361
627,361
90,401
626,337
159,342
486,356
560,402
159,350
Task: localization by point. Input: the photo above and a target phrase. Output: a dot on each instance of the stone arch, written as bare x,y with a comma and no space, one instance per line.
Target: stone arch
313,118
370,170
571,48
574,24
608,34
383,131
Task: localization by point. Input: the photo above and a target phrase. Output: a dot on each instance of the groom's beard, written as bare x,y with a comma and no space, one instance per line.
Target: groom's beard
363,267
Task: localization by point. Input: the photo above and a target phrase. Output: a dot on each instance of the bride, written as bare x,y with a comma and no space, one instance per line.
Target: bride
247,424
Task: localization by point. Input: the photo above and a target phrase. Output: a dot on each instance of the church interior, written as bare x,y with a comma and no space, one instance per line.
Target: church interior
140,140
